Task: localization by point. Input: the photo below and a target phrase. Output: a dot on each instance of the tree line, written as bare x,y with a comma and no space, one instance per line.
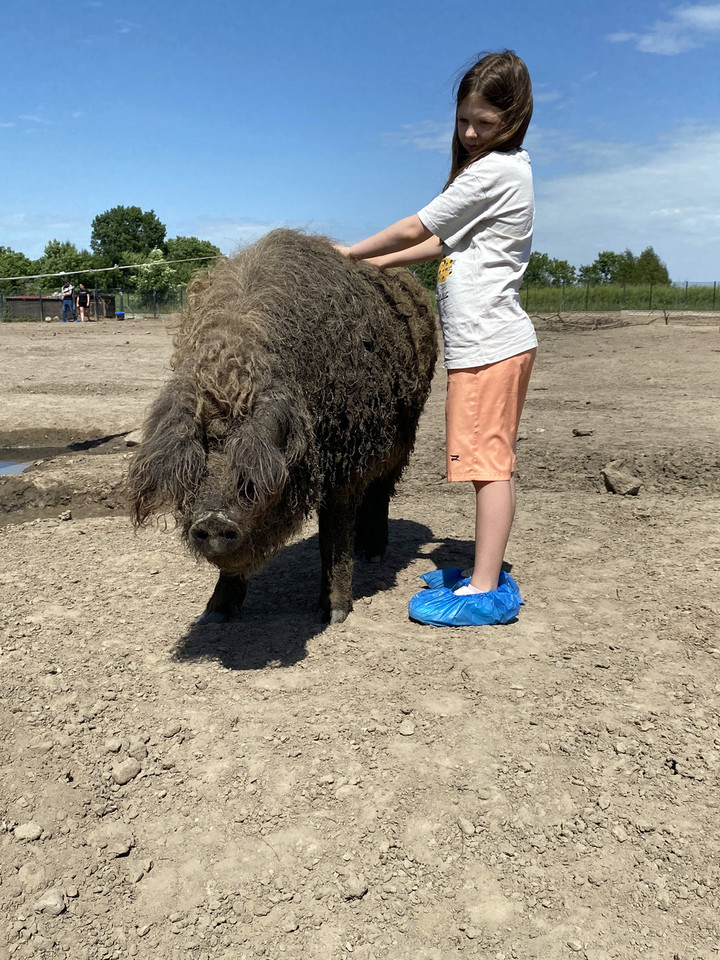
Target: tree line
120,236
608,267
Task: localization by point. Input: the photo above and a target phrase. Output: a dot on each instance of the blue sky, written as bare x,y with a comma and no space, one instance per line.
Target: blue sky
228,118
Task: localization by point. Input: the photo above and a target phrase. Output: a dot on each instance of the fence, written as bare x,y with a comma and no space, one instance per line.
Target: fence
560,298
566,298
111,304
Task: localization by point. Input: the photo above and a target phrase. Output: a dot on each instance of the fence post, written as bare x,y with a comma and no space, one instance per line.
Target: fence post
96,296
154,303
41,306
650,305
2,309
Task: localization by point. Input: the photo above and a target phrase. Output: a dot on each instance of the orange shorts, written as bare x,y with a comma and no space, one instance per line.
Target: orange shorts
482,414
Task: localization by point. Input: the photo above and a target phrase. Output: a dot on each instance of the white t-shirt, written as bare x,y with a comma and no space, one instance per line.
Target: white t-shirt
485,220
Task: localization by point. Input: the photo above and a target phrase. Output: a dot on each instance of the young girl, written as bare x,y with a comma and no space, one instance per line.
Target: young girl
481,225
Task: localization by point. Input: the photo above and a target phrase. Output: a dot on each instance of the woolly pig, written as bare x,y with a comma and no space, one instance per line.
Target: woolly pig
299,379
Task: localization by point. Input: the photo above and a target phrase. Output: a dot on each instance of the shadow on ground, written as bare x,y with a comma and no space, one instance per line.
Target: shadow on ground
279,616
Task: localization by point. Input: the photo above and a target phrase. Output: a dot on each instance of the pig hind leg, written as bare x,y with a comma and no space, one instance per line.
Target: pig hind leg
371,528
226,601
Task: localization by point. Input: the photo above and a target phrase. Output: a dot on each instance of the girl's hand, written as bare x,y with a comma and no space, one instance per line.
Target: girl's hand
343,251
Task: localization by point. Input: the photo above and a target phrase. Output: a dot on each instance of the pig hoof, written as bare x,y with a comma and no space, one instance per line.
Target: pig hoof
338,615
212,616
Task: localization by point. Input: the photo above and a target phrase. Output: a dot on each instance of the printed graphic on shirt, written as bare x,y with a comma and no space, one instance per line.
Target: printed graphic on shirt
444,269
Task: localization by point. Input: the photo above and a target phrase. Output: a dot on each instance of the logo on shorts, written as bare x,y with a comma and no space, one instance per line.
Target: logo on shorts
454,456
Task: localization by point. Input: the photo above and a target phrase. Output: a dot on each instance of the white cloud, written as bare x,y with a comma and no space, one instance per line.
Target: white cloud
425,135
662,195
227,234
686,28
541,95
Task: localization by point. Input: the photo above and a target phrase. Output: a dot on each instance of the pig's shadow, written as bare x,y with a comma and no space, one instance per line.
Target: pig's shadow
279,615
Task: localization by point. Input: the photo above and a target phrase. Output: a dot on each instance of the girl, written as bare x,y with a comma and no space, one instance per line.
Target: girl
481,225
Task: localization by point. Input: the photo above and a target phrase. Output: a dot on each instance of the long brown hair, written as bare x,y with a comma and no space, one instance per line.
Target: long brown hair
502,79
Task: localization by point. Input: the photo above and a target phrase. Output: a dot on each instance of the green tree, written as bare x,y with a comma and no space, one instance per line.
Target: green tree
153,275
544,271
13,264
650,268
426,273
625,267
186,248
62,256
125,230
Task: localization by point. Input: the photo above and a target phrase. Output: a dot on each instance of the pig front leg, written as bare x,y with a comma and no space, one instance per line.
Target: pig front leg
336,519
226,601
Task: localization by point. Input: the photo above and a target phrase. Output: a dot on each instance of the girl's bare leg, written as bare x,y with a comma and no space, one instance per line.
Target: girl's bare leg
494,514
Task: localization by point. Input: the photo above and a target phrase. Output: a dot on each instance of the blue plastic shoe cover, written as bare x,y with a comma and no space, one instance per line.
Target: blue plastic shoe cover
441,608
449,577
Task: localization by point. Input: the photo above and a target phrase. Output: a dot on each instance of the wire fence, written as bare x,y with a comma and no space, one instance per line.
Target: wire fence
558,298
569,298
102,305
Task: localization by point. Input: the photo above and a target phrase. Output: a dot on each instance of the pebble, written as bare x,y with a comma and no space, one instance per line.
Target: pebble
619,833
28,831
126,771
171,730
467,828
406,728
575,945
289,923
138,750
355,887
52,903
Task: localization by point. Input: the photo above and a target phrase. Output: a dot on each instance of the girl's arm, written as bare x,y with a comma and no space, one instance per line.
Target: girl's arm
426,250
408,232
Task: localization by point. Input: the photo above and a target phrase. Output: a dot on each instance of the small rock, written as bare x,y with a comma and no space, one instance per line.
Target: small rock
28,831
577,432
65,515
171,730
119,848
618,479
406,728
467,828
52,903
355,887
575,945
126,771
619,833
289,923
113,746
138,750
133,439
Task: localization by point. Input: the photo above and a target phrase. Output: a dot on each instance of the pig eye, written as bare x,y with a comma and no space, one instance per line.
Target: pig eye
247,489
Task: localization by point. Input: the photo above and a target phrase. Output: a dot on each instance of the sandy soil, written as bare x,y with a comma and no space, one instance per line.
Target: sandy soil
376,789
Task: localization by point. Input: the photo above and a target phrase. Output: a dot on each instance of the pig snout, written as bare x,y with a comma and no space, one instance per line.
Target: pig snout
215,535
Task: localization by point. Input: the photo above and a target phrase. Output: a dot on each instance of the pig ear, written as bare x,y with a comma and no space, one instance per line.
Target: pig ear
170,462
265,444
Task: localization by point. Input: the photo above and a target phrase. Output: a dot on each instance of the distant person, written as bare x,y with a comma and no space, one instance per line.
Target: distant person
481,226
82,302
67,302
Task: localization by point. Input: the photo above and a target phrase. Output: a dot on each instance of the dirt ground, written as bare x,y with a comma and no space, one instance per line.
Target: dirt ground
376,789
